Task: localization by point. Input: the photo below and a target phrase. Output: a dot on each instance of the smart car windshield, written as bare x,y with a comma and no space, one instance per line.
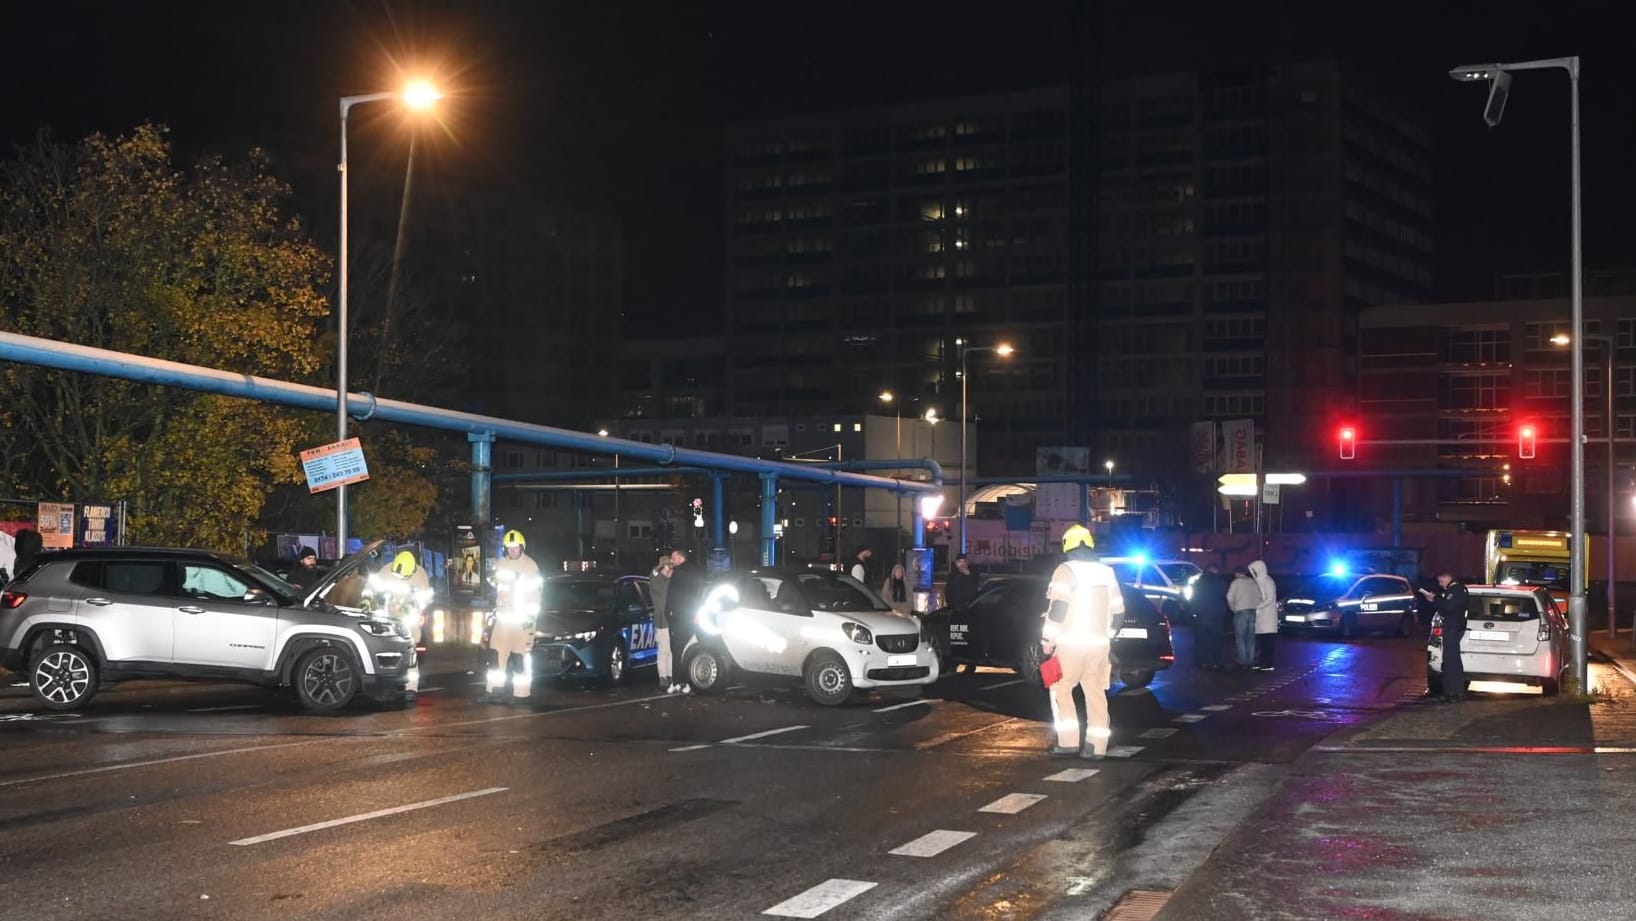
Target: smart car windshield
832,591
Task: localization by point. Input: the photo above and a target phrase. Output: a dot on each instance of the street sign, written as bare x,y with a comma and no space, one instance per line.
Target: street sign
339,463
1237,484
1269,493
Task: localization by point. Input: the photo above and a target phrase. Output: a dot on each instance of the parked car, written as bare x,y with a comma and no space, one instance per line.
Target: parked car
79,620
594,627
1001,627
1513,633
1166,583
1349,604
823,629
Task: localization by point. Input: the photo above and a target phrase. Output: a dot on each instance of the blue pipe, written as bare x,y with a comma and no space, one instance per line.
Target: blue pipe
66,356
482,445
579,476
769,518
719,518
906,463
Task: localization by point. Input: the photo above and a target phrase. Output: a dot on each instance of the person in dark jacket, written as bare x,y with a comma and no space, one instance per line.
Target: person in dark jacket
1210,619
1450,601
305,574
962,583
28,545
682,600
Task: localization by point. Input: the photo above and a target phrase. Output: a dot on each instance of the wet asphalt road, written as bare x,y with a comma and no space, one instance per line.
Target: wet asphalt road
225,802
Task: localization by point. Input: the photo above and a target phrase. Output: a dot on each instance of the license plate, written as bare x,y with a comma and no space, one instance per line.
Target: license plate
1296,618
1499,635
1132,633
899,661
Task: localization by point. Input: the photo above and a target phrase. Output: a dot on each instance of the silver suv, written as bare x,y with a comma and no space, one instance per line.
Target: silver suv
80,619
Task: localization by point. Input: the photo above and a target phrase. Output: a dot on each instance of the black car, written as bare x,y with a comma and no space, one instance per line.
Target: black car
1001,627
594,627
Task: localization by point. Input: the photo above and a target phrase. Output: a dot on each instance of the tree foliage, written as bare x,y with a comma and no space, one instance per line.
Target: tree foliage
107,243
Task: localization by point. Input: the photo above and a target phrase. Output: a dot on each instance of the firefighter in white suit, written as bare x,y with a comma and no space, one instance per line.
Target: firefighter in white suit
518,587
1085,607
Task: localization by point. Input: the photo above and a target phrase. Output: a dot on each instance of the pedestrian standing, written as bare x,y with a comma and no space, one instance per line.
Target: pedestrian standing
682,600
1450,602
1210,617
1244,597
1266,616
1085,604
962,587
659,589
895,590
860,565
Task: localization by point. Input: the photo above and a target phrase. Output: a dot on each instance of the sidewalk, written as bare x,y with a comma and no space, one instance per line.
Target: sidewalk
1515,807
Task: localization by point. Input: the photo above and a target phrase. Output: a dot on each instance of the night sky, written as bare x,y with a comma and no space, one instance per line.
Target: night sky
617,106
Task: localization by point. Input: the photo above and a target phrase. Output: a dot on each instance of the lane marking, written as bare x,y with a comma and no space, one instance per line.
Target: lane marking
225,709
1125,751
1190,718
364,817
156,761
527,716
690,748
1158,734
1002,684
1479,749
1012,803
1217,708
1072,775
820,898
903,706
763,735
428,690
948,737
933,843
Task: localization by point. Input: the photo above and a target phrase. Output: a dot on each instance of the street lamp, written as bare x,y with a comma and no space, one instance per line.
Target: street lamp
886,396
603,433
1498,77
420,96
1004,350
1606,342
1108,466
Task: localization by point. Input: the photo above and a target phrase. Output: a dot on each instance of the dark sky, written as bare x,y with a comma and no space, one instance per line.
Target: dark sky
617,105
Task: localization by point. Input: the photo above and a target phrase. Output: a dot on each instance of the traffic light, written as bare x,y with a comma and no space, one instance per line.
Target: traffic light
1527,440
1348,437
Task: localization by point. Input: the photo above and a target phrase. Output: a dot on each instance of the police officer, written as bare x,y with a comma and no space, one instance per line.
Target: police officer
1085,607
518,586
1450,601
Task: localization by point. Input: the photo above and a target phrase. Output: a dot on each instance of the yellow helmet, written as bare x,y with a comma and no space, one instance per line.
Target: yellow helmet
514,538
404,563
1078,536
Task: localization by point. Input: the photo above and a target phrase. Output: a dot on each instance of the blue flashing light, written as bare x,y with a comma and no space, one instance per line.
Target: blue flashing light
1337,568
1139,558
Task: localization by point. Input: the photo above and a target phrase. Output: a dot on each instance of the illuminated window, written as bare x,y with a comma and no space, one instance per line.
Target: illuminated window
930,167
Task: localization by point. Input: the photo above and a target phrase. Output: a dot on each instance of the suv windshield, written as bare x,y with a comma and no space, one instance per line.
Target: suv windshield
833,591
578,596
1524,572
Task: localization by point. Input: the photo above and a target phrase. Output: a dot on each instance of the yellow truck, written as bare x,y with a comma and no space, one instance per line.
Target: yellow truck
1531,558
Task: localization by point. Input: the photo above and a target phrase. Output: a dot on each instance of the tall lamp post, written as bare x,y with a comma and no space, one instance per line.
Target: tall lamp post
420,96
1608,415
1003,350
1498,78
886,396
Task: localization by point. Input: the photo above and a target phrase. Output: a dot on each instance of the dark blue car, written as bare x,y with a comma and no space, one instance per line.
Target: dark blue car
594,627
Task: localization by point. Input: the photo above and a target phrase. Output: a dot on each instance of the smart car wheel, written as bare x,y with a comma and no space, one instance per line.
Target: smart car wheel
706,671
1405,625
1136,677
829,681
325,679
63,677
613,665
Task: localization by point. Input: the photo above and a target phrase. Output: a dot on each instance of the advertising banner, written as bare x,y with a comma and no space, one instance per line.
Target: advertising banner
96,525
56,525
1202,447
1239,438
336,464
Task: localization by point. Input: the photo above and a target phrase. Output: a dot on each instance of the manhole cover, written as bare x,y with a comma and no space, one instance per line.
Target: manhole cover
1137,905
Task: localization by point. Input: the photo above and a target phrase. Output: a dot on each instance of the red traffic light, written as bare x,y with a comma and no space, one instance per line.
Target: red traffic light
1527,441
1348,438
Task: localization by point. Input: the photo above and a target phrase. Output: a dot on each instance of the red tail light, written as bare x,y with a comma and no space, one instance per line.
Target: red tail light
1167,658
9,600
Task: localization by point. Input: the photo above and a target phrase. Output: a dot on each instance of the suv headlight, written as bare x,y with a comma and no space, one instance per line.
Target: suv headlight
857,633
378,627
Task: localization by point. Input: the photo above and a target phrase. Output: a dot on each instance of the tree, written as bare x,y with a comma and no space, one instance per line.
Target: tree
109,244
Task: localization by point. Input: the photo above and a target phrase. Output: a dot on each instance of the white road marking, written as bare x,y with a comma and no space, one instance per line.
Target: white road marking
690,748
933,843
426,690
156,761
1217,708
820,898
1002,684
1158,734
762,735
1125,751
904,706
1072,775
364,817
528,716
1190,718
225,709
1012,803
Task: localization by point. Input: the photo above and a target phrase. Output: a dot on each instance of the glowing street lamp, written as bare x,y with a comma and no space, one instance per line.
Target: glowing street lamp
1004,350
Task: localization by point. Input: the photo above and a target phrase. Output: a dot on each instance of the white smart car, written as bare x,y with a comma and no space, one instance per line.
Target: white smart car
823,629
1513,633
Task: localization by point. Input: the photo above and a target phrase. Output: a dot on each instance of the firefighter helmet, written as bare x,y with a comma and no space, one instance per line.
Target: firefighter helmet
514,538
1078,536
404,564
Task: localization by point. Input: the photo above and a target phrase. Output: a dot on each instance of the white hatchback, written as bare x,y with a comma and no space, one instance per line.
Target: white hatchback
1513,634
823,629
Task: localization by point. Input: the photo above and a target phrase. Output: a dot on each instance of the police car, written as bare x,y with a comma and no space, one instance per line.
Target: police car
594,627
1166,583
1349,604
1514,634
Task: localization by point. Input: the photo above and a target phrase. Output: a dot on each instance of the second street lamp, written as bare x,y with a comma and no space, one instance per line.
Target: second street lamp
418,95
1004,350
1608,417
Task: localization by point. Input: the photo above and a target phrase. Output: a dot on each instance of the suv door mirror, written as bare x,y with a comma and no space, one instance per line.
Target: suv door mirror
257,596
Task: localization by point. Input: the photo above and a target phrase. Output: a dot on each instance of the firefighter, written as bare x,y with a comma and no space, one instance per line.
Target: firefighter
517,591
403,592
1085,606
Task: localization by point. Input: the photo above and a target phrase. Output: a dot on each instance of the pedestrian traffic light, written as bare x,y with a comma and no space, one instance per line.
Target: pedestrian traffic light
1348,437
1527,440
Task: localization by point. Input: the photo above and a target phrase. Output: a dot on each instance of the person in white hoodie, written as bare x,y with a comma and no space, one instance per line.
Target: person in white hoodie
1266,616
1243,598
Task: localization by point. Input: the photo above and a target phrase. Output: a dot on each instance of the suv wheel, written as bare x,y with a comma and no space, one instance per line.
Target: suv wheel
63,677
706,670
325,679
829,681
614,664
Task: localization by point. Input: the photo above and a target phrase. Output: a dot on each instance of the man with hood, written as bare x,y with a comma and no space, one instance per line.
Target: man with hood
1085,608
1266,616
